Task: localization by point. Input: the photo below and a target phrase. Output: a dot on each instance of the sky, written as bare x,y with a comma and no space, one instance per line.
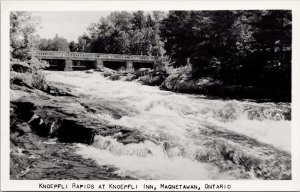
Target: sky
67,24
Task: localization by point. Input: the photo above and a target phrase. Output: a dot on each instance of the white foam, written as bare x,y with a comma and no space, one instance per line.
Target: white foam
151,167
176,119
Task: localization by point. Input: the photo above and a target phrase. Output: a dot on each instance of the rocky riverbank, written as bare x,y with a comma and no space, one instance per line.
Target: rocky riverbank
44,125
178,80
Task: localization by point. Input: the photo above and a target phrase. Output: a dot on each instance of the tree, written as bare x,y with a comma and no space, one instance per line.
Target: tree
73,46
22,30
125,33
250,48
55,44
84,43
139,20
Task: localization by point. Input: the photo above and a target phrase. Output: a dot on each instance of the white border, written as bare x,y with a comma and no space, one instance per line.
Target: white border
236,185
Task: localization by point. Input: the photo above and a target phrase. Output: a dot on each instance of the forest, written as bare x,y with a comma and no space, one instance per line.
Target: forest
238,48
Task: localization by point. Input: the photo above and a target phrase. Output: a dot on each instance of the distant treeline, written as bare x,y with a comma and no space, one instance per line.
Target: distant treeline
250,48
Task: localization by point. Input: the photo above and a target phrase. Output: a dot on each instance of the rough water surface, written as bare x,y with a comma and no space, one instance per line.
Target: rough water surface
186,136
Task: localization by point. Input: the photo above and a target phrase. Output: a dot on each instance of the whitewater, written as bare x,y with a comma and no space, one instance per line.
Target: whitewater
188,136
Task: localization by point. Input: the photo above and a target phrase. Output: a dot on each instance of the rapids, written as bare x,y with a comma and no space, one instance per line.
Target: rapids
188,136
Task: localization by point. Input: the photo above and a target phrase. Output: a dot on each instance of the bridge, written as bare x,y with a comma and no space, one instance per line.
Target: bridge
98,59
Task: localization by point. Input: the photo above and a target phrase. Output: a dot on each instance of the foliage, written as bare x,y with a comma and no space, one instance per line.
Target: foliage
55,44
250,48
37,64
22,29
39,80
23,40
124,33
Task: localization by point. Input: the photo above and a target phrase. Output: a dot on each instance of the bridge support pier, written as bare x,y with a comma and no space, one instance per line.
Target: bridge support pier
68,65
99,64
129,66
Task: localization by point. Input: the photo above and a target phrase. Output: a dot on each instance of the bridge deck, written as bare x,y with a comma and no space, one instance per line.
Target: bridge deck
91,56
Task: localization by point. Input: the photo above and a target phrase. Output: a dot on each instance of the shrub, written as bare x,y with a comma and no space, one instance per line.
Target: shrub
39,80
37,64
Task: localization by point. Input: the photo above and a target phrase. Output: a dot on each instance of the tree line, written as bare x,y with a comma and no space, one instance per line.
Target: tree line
237,47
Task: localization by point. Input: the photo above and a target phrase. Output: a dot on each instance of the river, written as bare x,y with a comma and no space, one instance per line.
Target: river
188,136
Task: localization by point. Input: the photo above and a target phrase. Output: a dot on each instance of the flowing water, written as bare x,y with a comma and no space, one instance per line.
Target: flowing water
188,136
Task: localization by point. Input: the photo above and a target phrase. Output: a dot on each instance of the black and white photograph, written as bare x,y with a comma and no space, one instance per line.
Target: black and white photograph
150,94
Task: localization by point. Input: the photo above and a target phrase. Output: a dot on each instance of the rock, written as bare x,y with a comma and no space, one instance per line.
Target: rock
23,127
52,161
21,79
57,89
72,131
70,119
20,82
89,71
25,103
17,94
115,77
40,126
142,71
151,80
24,108
20,67
130,77
108,72
99,69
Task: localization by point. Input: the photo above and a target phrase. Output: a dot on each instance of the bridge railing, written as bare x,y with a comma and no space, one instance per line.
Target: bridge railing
82,55
62,54
50,53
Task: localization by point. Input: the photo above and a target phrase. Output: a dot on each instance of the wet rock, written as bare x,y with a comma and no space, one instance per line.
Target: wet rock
23,128
57,89
21,82
32,158
152,80
130,77
25,104
142,72
24,108
72,131
108,72
17,94
115,77
91,71
39,116
39,126
97,106
20,79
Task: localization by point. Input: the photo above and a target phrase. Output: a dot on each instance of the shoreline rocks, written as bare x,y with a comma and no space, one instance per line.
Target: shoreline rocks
181,83
37,116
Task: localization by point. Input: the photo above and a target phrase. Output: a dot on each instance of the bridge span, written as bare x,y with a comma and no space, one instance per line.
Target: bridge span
98,59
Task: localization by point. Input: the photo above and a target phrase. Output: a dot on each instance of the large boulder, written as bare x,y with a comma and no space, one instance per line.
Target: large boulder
142,72
89,71
115,77
21,79
152,80
130,77
106,72
20,67
58,89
